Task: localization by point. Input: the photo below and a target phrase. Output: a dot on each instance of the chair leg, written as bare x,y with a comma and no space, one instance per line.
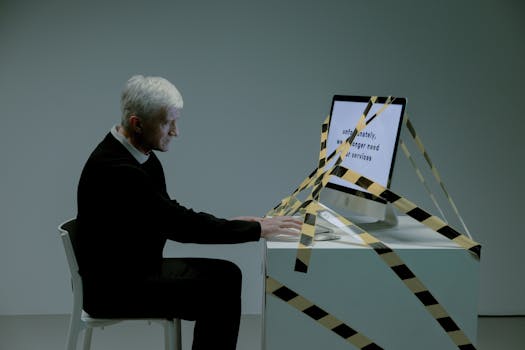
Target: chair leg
72,333
178,332
169,335
87,338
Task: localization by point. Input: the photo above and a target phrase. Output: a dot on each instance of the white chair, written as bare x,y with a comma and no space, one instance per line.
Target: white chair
80,320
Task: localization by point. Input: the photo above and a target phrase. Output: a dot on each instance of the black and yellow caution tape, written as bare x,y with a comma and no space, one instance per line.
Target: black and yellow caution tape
409,208
321,178
434,170
302,260
322,317
324,138
403,272
290,205
323,174
318,180
421,178
283,207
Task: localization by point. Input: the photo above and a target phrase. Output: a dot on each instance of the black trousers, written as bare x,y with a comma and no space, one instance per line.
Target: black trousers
207,291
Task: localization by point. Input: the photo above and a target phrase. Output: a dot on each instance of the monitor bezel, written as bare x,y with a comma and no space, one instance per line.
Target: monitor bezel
354,98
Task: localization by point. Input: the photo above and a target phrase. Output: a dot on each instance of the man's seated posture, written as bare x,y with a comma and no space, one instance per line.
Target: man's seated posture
125,216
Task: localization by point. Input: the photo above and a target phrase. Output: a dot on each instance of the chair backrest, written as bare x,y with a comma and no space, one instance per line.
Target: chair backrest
68,234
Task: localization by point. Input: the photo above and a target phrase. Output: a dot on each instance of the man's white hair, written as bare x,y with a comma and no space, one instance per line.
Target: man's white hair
146,97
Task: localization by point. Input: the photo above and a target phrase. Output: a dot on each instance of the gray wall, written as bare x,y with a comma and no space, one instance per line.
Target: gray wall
257,78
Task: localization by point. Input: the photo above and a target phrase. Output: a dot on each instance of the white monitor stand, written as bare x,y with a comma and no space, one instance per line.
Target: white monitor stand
364,212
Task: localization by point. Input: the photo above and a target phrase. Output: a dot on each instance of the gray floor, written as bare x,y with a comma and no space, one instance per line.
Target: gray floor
48,332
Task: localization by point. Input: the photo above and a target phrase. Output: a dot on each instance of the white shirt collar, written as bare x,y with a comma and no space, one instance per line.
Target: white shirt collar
138,155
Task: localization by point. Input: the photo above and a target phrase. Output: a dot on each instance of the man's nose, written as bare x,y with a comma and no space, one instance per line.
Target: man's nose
174,132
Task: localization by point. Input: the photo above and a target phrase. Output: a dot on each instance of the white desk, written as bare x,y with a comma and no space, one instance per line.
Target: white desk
352,283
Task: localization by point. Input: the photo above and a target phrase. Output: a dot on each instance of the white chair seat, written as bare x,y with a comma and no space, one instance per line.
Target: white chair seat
99,322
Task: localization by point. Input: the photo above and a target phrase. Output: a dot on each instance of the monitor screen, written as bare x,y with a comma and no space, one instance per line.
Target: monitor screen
373,150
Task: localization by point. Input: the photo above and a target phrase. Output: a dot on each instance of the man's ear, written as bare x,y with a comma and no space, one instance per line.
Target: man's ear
136,124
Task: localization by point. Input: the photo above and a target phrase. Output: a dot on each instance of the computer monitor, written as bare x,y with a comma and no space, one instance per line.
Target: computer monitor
372,154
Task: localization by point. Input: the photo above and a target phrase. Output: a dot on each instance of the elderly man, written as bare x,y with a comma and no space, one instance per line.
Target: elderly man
125,216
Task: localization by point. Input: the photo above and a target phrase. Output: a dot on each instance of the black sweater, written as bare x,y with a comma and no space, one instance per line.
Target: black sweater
125,216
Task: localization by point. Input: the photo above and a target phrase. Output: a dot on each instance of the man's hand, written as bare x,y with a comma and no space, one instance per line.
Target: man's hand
281,225
277,225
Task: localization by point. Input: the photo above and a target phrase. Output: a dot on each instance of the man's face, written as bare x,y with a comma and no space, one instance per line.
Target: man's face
158,131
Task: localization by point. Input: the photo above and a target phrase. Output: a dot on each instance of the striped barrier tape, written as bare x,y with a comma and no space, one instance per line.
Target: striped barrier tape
409,208
434,170
323,175
421,178
308,182
318,179
403,272
322,317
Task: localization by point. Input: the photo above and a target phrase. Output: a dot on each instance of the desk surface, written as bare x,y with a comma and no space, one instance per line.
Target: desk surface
408,234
